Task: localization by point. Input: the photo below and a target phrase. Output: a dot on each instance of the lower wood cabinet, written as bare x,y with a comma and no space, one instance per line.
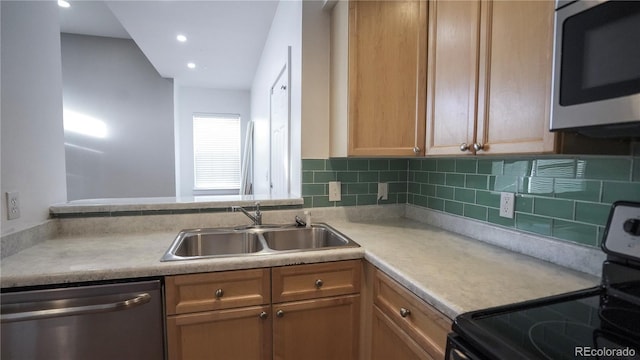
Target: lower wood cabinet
389,341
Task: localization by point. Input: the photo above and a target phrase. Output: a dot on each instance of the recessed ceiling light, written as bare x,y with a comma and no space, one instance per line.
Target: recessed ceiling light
63,3
181,38
191,65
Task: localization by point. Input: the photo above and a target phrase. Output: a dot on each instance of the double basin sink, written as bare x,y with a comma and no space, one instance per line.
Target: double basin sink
259,240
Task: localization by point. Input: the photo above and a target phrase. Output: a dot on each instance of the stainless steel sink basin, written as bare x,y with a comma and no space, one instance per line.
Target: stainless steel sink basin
224,242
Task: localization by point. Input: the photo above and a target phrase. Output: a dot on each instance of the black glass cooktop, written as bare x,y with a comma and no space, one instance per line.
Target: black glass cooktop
588,324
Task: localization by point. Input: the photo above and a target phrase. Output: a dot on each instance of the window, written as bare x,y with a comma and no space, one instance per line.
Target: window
216,152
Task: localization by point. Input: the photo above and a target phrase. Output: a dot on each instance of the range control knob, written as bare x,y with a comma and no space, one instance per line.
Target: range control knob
632,226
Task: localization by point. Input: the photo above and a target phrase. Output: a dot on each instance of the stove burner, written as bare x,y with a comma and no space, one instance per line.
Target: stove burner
622,319
544,336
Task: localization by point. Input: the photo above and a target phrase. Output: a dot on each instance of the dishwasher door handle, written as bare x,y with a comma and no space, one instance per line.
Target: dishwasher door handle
69,307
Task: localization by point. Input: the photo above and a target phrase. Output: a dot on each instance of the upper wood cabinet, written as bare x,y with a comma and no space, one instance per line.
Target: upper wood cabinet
489,77
387,77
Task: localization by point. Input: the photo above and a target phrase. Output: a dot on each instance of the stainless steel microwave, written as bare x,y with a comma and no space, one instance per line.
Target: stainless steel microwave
596,71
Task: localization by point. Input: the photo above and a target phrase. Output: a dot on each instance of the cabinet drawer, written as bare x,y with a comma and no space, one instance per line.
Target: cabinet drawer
300,282
426,325
214,291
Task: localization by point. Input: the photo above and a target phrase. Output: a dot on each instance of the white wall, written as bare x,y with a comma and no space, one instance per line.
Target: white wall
190,100
285,31
111,80
339,70
31,117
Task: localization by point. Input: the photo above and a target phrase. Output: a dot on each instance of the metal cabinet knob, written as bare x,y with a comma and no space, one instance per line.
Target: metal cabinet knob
405,312
416,150
219,293
478,147
319,283
263,315
279,313
464,147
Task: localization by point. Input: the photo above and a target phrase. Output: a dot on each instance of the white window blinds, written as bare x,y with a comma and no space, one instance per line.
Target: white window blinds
216,152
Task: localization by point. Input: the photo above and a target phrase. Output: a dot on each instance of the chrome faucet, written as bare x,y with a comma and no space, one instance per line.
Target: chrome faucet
256,217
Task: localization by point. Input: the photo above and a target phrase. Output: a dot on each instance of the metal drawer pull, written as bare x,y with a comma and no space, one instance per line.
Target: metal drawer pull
219,293
405,312
464,147
263,315
319,283
279,313
52,309
478,147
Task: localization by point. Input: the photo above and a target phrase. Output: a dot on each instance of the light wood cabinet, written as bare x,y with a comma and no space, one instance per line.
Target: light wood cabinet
387,77
405,325
489,77
317,311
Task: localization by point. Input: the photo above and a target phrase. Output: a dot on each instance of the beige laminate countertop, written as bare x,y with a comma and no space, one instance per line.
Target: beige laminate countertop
451,272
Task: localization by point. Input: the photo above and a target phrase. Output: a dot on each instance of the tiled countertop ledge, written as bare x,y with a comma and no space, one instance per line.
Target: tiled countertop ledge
452,272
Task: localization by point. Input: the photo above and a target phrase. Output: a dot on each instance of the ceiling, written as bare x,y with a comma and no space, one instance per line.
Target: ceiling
225,38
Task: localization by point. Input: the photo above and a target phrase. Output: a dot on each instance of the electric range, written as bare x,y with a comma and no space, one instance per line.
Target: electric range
602,322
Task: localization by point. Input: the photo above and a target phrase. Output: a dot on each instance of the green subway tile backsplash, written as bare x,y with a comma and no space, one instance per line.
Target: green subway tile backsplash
568,198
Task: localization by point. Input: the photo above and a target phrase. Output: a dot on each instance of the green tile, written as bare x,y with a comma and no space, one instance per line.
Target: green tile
531,223
378,164
391,199
337,164
322,201
347,200
453,207
373,188
397,187
581,233
454,180
517,167
402,198
359,188
313,164
387,176
421,200
444,192
413,188
324,176
553,207
307,177
537,186
347,176
422,177
436,204
524,203
467,166
415,164
464,195
428,190
313,189
398,164
488,198
367,200
577,189
446,165
429,165
507,183
436,178
308,201
614,191
490,167
636,169
476,182
555,168
475,212
592,213
493,216
607,168
402,175
358,164
368,176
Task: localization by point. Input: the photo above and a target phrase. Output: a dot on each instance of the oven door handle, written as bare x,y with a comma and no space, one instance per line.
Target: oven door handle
458,355
68,307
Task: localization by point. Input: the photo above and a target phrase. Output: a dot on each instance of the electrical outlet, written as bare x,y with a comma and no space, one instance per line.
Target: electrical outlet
334,191
507,204
13,205
383,191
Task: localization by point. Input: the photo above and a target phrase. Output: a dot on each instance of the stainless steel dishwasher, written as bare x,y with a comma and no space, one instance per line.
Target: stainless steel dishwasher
111,321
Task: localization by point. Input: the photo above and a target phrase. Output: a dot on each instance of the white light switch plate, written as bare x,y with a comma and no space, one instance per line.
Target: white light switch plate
334,191
507,204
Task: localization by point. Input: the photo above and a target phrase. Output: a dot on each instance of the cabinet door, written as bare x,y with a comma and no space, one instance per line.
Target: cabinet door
515,82
225,334
387,77
454,41
388,341
317,329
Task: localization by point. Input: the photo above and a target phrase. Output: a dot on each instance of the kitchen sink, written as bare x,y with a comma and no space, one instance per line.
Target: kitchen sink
259,240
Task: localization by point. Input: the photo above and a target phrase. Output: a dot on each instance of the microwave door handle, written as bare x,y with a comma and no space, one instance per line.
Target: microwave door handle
50,310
